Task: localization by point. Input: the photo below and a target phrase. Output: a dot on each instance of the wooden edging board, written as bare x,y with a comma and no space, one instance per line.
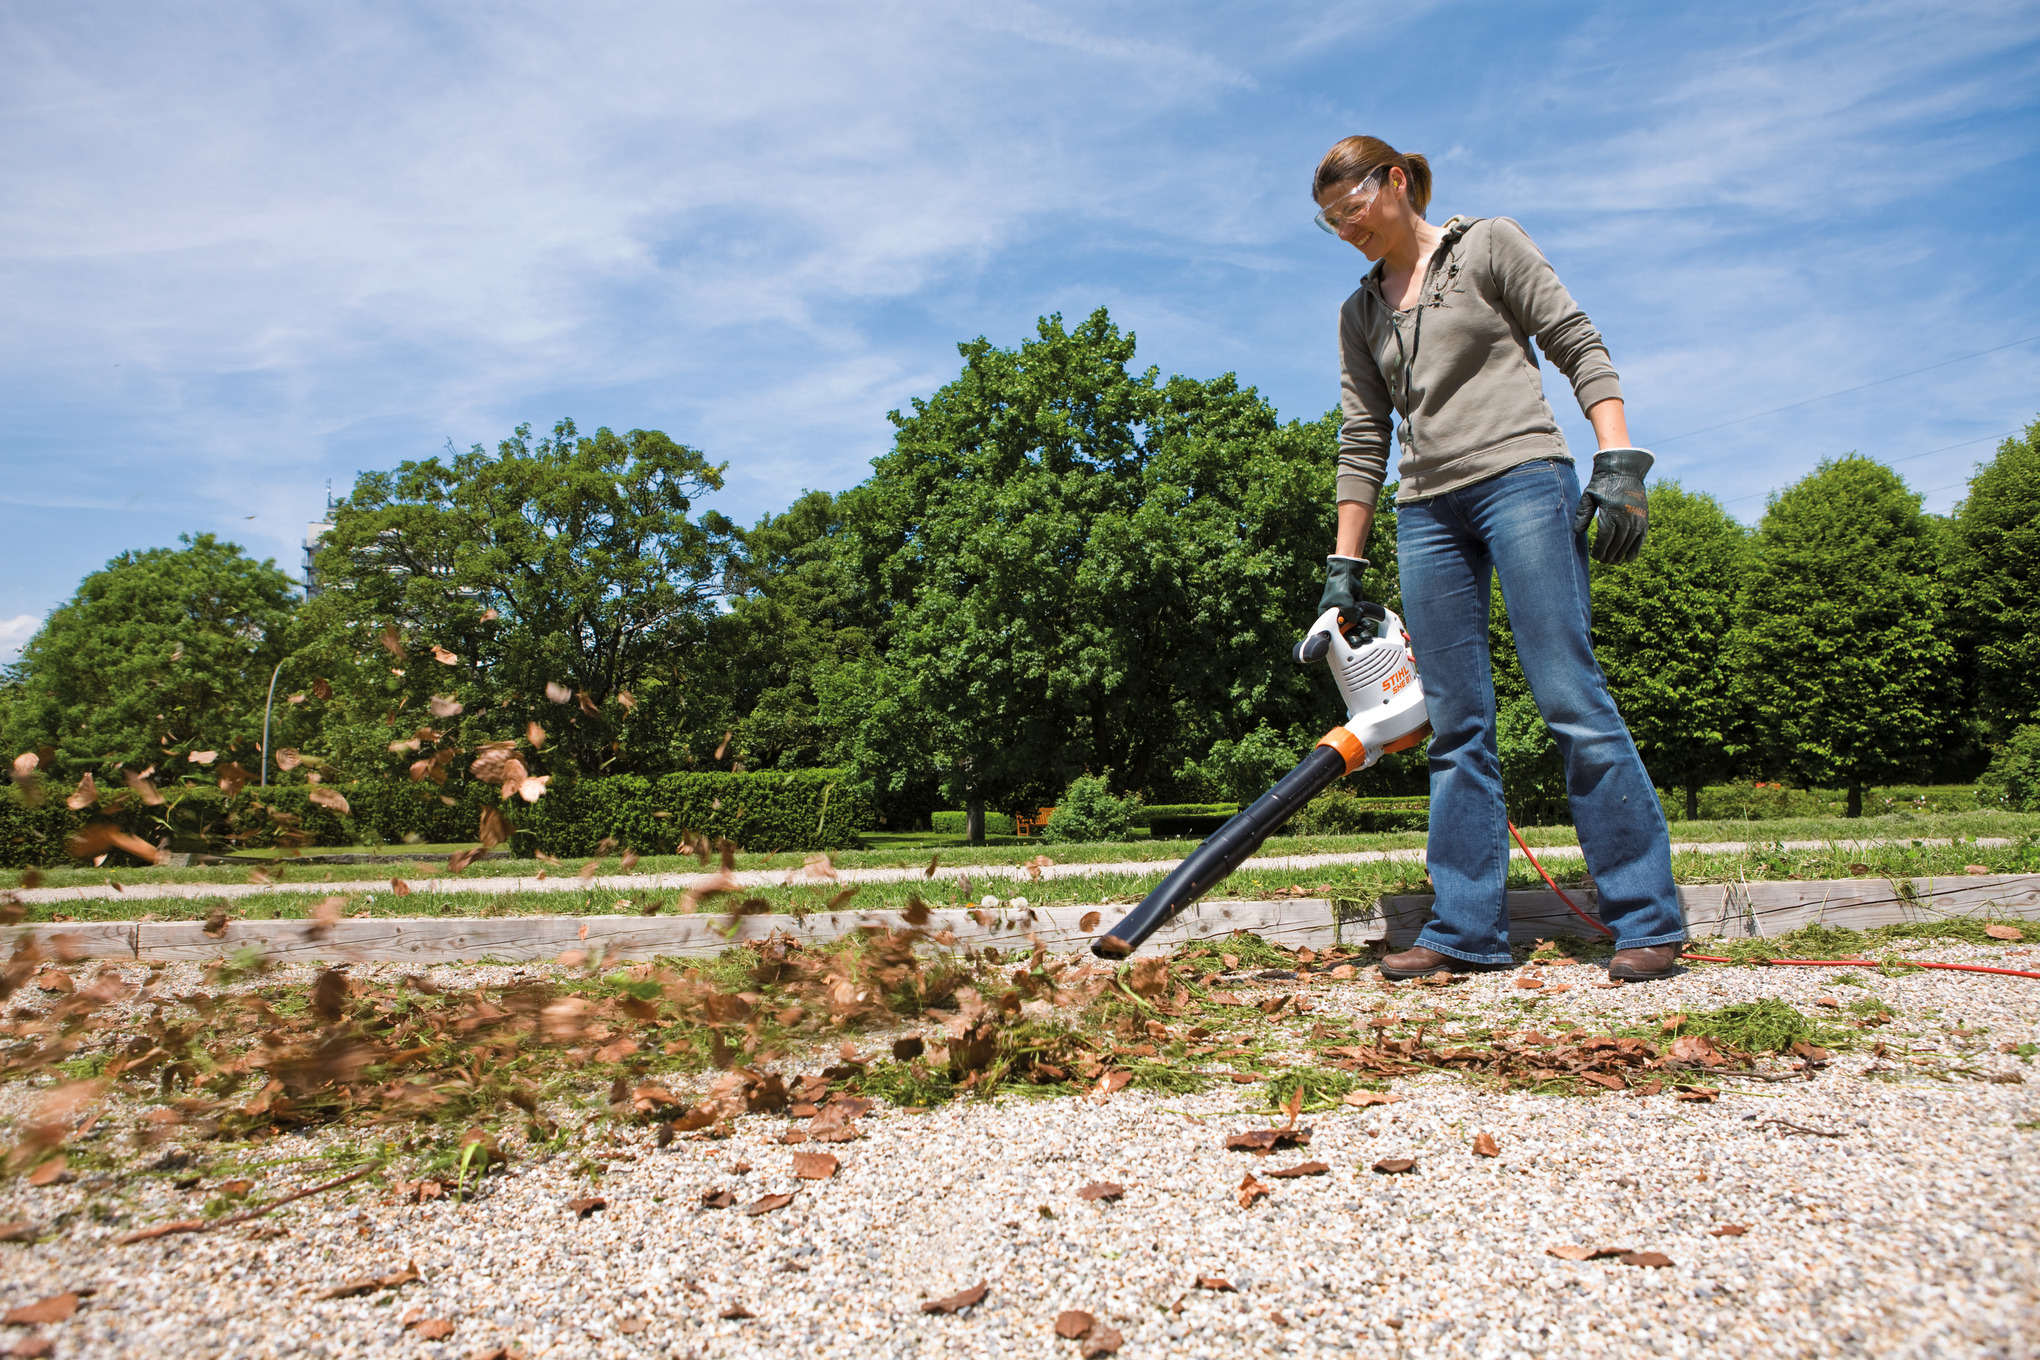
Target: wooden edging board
1733,910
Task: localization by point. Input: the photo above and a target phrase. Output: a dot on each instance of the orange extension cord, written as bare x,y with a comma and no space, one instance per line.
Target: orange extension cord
1783,963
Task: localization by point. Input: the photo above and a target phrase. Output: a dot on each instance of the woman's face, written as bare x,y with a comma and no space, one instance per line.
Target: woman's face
1367,215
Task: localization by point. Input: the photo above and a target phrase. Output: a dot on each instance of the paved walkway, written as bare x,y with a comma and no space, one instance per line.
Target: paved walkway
976,873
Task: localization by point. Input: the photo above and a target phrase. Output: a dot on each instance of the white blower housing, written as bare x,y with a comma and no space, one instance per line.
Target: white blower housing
1377,677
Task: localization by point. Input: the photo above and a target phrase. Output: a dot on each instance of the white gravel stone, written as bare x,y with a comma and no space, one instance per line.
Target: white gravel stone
1910,1234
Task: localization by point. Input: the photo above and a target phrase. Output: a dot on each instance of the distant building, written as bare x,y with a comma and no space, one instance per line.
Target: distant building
313,534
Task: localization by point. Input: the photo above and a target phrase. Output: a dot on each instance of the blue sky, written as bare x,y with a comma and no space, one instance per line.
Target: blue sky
248,248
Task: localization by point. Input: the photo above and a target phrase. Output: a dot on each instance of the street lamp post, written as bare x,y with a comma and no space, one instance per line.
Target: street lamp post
267,709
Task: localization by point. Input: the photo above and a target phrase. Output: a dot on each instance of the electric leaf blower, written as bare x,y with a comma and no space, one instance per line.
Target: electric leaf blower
1385,712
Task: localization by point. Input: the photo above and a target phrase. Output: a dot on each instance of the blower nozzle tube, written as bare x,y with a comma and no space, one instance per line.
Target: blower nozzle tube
1210,862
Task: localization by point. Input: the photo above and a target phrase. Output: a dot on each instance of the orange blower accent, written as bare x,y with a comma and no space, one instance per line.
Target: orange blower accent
1347,745
1403,743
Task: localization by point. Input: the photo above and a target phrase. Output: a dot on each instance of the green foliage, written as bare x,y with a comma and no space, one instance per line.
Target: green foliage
958,823
1244,945
1074,566
1995,572
1174,821
1761,801
162,653
1321,1086
1089,811
1838,654
2013,780
1340,811
791,810
1659,623
1249,767
567,560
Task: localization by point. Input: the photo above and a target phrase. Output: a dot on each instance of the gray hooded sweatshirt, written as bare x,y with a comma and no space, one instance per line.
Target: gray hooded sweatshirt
1458,369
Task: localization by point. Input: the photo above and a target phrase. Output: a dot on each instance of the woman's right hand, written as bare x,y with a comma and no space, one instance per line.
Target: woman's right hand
1342,587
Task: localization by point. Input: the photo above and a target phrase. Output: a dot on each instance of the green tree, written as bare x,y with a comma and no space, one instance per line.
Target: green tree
1069,566
1995,574
545,583
1838,653
1661,625
164,652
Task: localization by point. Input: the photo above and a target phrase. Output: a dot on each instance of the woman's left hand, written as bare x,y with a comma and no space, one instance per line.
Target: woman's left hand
1616,492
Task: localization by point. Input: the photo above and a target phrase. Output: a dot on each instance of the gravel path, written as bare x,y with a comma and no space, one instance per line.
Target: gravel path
759,878
1909,1234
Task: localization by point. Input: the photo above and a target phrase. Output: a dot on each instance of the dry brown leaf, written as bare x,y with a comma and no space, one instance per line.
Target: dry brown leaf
1104,1341
631,1326
2004,932
1829,1001
960,1300
394,641
1728,1230
933,861
21,1230
55,1308
494,829
215,922
202,757
400,888
1567,1251
1105,1190
1090,921
50,1172
1072,1323
321,689
814,1166
326,915
1363,1099
431,1329
444,657
765,1204
1975,870
1300,1169
1484,1145
736,1312
1251,1190
445,706
99,837
1697,1093
1654,1260
288,758
1217,1284
723,745
369,1284
1394,1166
587,1204
86,795
233,778
329,798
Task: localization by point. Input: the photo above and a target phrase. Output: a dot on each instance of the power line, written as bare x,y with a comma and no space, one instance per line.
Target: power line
1793,405
1893,462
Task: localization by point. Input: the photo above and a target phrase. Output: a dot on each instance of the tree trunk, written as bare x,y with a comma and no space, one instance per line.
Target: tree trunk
1855,808
1692,802
975,823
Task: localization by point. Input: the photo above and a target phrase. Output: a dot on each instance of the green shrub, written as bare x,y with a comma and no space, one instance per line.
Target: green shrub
1180,821
1246,768
1089,811
958,824
798,810
2013,780
1767,801
1343,812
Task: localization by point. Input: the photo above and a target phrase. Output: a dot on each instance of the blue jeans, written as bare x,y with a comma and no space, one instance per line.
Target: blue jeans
1519,523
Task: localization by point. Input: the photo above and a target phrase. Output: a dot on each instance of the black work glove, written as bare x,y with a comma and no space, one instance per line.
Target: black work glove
1616,491
1342,587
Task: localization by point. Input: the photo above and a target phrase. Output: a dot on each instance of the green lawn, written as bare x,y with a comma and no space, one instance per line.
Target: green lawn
913,850
371,895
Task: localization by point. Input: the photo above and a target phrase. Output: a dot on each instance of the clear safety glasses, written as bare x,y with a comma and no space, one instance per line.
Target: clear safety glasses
1335,216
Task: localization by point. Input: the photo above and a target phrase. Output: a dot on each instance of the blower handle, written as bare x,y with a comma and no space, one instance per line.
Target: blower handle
1318,641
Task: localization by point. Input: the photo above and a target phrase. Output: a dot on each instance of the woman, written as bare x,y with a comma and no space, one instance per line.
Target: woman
1438,337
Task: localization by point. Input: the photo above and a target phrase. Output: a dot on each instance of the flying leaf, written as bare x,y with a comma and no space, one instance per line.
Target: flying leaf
445,706
326,915
629,702
145,790
329,798
444,657
202,757
233,778
1484,1145
1090,921
587,705
394,641
535,734
87,794
288,758
216,923
97,838
960,1300
532,787
723,745
321,690
557,692
495,828
933,860
400,888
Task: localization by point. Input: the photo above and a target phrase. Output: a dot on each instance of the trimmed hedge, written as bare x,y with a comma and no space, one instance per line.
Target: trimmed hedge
1180,821
958,824
1764,802
1341,812
800,810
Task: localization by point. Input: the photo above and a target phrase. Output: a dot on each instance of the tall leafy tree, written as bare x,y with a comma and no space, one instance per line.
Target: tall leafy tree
1073,567
538,583
1839,653
1661,625
1995,574
164,652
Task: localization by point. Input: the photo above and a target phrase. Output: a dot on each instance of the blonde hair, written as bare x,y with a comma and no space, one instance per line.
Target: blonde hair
1353,159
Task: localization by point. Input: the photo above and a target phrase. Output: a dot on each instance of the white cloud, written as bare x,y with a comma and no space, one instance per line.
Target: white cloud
14,635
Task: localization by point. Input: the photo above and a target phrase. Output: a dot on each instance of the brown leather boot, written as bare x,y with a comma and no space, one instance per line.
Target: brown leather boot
1417,962
1647,964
